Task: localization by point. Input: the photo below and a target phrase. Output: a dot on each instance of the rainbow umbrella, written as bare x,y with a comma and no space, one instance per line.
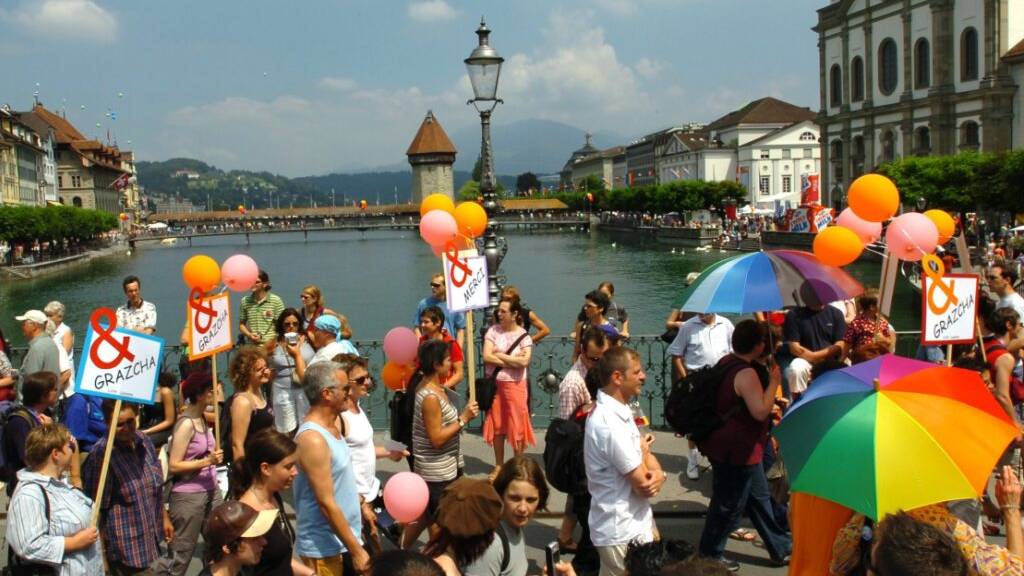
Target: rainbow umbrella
769,280
894,433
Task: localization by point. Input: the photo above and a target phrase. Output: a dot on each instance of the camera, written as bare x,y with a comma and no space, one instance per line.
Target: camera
291,337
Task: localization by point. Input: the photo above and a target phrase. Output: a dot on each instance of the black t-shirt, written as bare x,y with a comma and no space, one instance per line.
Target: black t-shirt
276,559
813,329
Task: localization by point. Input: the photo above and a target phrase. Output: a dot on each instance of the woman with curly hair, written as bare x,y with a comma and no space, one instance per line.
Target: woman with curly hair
247,408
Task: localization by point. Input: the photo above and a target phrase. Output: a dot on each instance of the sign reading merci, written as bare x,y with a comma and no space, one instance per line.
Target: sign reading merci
466,275
209,325
118,363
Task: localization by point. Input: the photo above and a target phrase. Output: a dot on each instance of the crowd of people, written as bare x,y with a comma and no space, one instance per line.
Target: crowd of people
294,429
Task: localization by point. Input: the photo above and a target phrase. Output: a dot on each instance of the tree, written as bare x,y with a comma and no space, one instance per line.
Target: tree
527,181
478,169
470,191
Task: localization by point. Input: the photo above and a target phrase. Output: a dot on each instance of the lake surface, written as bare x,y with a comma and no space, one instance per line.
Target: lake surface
376,278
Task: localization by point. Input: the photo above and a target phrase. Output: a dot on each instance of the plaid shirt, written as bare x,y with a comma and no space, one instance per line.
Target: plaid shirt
131,519
572,392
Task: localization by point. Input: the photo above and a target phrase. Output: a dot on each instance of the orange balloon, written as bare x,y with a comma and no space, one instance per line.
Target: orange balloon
437,202
201,271
874,198
944,222
396,376
471,219
837,246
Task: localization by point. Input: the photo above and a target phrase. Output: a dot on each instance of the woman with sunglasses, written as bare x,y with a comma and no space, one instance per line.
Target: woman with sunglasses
288,359
48,523
359,437
313,307
247,408
192,471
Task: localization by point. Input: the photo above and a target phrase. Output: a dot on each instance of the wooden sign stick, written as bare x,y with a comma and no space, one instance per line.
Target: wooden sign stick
98,501
216,405
887,285
471,355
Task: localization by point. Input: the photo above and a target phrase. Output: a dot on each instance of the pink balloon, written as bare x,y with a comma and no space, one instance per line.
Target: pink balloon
867,231
239,273
405,496
437,227
400,345
912,235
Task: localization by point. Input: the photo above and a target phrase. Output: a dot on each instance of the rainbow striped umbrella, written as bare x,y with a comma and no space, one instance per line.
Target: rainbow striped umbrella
772,280
894,434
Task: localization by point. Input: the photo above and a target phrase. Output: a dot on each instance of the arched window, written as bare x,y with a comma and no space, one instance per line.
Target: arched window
888,66
968,54
888,147
922,64
923,140
76,202
857,156
857,78
835,86
808,137
836,158
970,135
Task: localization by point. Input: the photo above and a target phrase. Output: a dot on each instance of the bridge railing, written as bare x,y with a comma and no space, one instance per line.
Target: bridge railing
552,358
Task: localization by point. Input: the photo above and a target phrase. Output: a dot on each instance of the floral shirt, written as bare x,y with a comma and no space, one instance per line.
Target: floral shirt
862,330
983,559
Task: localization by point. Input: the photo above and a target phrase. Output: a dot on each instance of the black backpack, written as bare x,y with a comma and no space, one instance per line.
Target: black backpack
403,407
9,410
690,408
225,431
563,456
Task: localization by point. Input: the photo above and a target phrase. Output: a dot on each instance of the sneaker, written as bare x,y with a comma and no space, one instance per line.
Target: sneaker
730,565
784,561
692,470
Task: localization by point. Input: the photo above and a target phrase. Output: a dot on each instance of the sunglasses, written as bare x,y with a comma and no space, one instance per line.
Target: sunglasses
362,380
304,296
290,323
594,359
436,284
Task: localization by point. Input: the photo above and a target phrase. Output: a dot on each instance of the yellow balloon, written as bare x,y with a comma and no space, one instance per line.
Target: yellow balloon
437,202
874,198
944,222
471,218
837,246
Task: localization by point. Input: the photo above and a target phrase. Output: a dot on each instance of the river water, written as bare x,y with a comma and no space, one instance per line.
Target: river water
376,278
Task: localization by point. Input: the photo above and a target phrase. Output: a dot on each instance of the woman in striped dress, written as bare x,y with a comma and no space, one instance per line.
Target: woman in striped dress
436,427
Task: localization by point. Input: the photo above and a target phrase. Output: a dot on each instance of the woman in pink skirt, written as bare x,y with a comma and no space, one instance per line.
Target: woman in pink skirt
510,414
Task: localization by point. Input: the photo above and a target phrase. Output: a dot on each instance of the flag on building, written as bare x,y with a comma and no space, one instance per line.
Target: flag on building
675,173
809,189
121,181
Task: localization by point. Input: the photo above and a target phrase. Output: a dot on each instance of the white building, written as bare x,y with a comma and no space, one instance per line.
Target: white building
917,77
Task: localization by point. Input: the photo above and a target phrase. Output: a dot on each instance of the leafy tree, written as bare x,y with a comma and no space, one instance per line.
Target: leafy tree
964,182
469,191
527,181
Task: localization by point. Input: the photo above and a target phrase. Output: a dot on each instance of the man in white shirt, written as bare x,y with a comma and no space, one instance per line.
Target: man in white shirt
702,341
1000,281
328,341
136,314
622,472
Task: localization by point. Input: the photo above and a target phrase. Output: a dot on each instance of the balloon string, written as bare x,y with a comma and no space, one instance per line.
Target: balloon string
911,240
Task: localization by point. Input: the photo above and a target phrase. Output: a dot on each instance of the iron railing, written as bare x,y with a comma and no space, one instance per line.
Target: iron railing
552,358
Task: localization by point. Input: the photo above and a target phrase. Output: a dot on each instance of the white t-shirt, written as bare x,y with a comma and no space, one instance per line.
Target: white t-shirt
331,350
611,450
359,436
1013,300
700,344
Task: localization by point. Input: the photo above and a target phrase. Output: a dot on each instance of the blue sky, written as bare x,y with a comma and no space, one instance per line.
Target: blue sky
313,86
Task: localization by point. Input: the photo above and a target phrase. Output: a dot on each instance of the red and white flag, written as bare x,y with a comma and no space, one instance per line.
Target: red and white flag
121,181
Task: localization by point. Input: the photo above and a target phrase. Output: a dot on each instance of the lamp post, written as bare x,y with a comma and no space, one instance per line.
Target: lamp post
484,66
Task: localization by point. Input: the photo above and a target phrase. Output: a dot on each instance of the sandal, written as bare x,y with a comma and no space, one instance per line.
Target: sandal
742,535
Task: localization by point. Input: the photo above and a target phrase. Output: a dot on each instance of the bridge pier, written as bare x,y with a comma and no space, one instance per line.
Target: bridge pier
190,241
305,236
246,238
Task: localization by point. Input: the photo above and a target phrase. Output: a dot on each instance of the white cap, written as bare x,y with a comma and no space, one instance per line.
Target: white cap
36,316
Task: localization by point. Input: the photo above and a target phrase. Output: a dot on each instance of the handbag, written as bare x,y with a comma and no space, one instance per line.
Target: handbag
487,387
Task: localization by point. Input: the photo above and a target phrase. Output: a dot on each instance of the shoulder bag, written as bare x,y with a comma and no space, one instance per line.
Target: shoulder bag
487,387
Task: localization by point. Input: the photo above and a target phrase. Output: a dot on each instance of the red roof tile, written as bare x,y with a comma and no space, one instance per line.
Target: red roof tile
431,139
1015,53
764,111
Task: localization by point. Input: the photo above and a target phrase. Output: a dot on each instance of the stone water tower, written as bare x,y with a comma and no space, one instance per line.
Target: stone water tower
431,155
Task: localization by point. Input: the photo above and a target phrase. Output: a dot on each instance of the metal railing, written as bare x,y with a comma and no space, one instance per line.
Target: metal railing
552,358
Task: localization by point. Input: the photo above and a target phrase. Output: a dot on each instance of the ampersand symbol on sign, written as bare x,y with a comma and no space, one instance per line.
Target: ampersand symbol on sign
195,302
453,255
103,334
934,269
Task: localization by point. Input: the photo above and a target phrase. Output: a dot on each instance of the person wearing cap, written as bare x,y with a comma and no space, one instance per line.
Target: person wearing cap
328,339
469,530
192,461
234,537
327,503
258,312
136,313
42,354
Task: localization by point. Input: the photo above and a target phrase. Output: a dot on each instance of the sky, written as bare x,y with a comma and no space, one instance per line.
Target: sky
317,86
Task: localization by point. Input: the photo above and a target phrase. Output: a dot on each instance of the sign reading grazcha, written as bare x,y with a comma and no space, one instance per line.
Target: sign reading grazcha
209,325
118,363
949,308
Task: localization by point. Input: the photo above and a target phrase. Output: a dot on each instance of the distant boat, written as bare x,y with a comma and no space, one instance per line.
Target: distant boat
169,241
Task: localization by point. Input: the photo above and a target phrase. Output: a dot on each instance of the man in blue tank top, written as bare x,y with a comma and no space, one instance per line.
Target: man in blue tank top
328,535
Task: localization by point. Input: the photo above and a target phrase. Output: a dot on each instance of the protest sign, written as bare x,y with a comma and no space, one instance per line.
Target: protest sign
949,308
466,285
118,363
209,322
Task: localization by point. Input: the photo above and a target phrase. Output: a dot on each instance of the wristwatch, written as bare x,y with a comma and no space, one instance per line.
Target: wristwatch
462,423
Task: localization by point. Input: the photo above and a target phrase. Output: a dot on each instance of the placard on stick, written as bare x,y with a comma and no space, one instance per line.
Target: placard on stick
209,322
949,309
466,285
118,363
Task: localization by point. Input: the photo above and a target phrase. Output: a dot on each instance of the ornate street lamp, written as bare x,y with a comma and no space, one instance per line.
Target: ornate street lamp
484,67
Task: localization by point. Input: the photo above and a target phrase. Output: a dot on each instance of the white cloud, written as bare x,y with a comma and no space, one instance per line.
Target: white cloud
338,83
65,20
618,7
648,68
431,11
